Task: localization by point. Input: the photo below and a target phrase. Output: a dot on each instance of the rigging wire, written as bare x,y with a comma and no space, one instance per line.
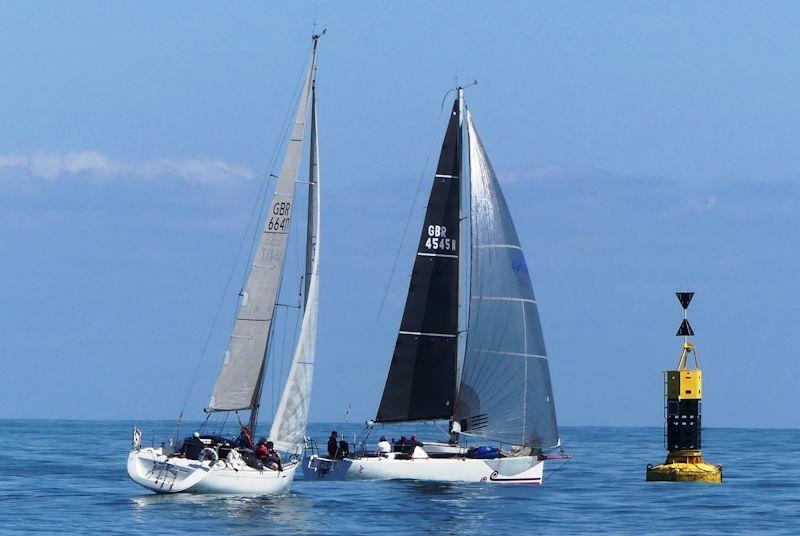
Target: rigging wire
554,471
253,220
422,176
403,238
224,295
273,365
270,352
414,205
282,357
277,149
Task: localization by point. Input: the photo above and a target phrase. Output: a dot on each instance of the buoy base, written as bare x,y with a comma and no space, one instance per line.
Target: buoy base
684,466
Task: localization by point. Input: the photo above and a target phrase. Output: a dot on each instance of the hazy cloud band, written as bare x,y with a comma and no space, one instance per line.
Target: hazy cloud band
96,165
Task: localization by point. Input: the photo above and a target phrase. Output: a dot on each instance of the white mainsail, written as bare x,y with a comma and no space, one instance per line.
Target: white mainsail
289,426
238,384
505,392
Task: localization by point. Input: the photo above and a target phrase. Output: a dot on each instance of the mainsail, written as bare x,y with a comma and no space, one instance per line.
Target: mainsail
289,426
422,376
505,392
238,385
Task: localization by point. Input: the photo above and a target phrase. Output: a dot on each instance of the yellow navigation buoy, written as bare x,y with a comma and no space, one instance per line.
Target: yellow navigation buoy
683,393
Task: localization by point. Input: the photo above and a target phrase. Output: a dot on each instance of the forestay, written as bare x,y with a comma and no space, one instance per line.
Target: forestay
505,392
289,426
237,386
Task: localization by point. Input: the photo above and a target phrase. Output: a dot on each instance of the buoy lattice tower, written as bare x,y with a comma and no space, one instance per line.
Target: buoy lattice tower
683,392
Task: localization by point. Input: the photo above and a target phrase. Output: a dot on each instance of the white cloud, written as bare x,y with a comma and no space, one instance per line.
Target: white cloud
94,165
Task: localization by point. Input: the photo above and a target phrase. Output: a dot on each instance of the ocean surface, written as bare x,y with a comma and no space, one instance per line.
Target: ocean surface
69,477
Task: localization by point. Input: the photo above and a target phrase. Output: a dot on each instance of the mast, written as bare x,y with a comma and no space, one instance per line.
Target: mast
312,223
240,381
462,304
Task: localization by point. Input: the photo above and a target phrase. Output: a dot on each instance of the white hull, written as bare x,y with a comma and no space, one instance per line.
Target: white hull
513,470
150,468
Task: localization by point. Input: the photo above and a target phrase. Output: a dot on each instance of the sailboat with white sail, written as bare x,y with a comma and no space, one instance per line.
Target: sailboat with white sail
470,348
212,463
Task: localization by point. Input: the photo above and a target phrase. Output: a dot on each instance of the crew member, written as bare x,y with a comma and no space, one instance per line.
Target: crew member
273,458
384,447
412,444
333,445
245,439
262,451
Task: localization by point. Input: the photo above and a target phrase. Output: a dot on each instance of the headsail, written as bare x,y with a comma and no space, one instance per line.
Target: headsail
421,382
238,385
505,392
289,426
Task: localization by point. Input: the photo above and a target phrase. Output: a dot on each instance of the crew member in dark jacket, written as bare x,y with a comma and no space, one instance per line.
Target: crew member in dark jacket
412,444
333,445
245,439
273,458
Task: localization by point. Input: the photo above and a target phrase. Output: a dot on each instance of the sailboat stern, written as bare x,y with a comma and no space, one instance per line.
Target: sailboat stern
318,468
154,470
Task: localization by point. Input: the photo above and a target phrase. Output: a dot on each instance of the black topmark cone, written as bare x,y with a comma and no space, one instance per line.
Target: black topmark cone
685,298
685,330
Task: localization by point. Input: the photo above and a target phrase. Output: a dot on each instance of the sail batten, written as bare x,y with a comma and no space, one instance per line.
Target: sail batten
421,382
505,392
238,385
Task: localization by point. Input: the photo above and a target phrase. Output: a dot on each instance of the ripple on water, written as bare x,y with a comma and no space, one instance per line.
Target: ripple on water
601,490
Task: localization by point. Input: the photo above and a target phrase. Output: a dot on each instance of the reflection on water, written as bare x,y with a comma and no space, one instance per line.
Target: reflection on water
290,510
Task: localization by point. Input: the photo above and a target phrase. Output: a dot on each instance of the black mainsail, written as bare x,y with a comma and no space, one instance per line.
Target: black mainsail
421,384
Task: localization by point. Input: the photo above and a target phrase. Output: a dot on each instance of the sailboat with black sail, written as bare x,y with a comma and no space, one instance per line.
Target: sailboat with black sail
216,464
470,348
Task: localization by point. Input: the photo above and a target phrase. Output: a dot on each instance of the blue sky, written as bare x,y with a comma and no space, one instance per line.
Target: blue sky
644,149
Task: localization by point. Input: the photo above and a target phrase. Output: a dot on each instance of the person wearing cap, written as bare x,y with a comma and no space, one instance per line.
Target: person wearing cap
412,444
384,447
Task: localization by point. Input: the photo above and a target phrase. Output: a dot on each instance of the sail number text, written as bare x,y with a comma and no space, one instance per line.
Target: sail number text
279,218
437,239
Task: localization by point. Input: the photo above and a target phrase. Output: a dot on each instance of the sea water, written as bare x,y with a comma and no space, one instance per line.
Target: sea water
70,477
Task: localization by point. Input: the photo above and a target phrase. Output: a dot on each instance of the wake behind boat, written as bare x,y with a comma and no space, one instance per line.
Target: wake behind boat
498,387
216,464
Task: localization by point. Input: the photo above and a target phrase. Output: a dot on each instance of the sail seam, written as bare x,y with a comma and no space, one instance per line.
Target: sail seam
504,298
520,354
510,246
525,368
